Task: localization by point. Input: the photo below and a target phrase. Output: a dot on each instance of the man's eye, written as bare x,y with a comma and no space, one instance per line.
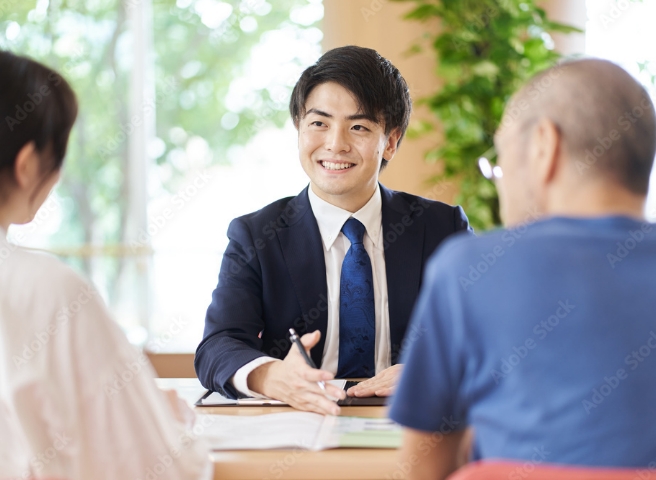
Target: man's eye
317,123
360,128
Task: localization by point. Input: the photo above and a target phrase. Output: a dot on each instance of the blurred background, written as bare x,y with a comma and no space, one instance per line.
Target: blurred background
184,124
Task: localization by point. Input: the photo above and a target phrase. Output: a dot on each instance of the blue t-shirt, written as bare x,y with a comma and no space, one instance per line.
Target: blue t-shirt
541,338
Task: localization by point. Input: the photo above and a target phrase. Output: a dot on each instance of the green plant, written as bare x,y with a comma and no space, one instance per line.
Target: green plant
486,49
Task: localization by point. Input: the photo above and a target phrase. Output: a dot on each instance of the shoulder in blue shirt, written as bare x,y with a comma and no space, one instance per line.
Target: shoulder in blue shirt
541,338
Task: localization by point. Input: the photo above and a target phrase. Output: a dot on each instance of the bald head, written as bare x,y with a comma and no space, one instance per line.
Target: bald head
605,117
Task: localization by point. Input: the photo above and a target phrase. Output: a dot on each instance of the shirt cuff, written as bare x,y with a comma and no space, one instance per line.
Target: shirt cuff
240,378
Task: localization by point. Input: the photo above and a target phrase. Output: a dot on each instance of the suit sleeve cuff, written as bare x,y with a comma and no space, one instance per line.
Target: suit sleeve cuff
240,378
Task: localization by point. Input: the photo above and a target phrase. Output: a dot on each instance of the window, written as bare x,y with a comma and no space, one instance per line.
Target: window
622,31
143,209
213,79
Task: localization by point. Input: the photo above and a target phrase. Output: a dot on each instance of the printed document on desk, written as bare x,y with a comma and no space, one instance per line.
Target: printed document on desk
297,430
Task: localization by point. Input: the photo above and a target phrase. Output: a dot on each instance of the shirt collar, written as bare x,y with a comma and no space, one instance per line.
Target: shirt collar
331,219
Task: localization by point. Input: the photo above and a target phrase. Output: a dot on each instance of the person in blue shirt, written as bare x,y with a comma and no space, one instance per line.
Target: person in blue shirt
539,340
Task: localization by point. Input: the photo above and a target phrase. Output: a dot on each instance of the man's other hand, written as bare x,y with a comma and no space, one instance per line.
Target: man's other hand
294,382
382,385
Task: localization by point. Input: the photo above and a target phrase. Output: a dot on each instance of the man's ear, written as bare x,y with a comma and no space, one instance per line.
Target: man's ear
391,146
27,170
545,151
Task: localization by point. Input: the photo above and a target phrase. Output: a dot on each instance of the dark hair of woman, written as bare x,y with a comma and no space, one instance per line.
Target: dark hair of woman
36,105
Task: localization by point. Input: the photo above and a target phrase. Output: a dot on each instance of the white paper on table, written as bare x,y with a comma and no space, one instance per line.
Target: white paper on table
358,432
258,432
298,430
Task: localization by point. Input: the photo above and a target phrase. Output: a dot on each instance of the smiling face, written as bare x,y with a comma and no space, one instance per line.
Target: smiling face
341,149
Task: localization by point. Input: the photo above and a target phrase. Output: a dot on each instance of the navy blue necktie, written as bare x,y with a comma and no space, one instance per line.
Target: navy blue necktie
357,312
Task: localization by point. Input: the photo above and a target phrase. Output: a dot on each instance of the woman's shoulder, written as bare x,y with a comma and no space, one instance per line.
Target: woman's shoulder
35,263
36,276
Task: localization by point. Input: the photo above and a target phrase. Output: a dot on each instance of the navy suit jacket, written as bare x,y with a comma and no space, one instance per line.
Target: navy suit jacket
273,278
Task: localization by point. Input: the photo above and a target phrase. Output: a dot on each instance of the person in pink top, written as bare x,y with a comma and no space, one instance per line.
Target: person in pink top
77,401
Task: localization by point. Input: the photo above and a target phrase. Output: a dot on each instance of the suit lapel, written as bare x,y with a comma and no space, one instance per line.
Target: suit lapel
404,252
302,249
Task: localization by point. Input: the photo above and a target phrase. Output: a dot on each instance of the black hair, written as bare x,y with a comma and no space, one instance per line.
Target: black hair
377,85
36,105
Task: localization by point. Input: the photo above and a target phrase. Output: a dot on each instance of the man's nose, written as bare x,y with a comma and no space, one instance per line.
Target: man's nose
337,141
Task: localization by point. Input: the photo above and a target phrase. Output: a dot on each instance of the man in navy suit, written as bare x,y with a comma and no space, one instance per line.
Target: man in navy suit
341,263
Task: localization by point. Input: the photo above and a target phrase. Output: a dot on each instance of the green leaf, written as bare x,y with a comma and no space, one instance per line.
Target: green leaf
486,50
423,12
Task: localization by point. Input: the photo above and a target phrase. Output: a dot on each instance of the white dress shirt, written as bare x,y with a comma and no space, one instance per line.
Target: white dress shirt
330,220
77,401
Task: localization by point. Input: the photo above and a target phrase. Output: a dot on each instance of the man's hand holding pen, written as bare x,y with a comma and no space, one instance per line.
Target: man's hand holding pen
295,382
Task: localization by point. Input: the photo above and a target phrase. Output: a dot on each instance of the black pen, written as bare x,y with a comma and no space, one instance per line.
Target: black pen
293,337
